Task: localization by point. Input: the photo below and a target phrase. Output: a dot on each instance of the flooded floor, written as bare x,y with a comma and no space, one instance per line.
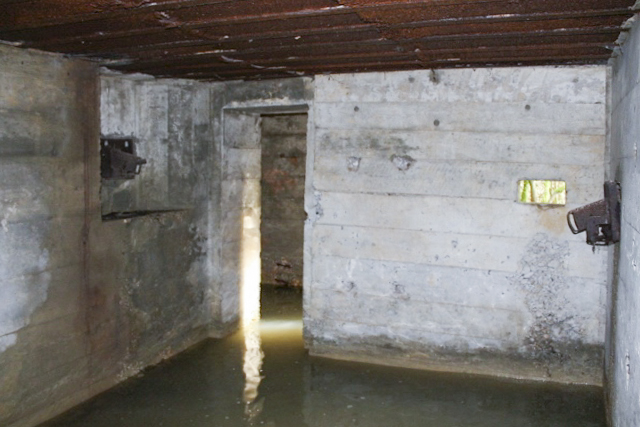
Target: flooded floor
265,378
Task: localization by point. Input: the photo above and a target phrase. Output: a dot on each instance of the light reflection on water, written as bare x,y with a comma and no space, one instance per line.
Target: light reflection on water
211,385
252,367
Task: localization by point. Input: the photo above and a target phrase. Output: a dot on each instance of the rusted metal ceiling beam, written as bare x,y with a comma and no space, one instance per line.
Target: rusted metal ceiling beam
160,53
149,11
509,53
189,64
412,8
87,46
258,75
501,27
427,51
392,13
540,55
250,39
516,60
431,43
226,28
532,17
248,74
29,14
274,54
158,22
151,48
286,63
304,70
265,50
601,38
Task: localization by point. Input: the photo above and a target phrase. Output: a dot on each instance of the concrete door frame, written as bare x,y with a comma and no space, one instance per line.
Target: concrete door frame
243,158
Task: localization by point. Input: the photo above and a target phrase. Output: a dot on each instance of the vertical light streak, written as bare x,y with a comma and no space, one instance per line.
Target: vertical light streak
250,300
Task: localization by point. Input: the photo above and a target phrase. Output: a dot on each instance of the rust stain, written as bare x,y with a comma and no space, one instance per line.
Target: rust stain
287,38
279,180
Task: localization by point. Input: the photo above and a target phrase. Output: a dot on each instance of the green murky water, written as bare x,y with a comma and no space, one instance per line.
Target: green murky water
267,379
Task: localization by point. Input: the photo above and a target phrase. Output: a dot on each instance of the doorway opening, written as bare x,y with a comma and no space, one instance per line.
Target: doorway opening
282,185
274,247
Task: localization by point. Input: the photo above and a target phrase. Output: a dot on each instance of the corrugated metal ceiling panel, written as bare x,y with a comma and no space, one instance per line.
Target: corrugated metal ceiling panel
253,39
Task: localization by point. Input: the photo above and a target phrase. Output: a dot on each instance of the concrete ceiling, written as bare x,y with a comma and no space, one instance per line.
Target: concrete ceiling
256,39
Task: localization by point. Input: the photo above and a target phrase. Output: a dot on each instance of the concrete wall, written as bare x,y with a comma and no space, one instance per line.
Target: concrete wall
420,254
623,355
84,304
149,277
284,153
171,121
416,252
48,113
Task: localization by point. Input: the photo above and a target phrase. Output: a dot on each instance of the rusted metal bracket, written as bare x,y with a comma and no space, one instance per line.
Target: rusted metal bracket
601,219
118,159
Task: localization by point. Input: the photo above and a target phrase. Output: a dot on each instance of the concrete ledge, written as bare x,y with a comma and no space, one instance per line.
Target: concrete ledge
579,370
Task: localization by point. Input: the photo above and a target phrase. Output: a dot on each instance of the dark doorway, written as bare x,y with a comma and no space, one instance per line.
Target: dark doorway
284,149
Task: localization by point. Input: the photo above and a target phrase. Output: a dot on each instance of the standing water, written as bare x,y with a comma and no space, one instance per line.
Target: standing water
265,378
